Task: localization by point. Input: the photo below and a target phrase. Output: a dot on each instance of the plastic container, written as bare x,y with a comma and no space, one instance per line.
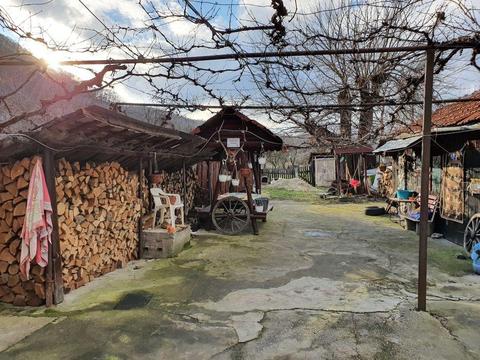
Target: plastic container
476,268
404,194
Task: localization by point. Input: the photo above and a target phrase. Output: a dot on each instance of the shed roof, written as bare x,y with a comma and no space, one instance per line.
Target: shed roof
99,134
353,149
230,122
398,144
458,133
459,113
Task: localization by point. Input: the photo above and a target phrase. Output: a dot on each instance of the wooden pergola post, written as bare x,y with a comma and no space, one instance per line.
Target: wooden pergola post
140,195
209,183
54,279
184,186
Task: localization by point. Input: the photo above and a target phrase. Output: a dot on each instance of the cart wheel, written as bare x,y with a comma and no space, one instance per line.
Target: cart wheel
230,215
472,233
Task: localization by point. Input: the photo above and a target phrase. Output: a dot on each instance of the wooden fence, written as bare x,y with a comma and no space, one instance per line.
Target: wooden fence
302,172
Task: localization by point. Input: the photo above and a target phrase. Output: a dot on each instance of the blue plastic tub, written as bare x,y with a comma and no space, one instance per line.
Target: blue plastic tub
404,194
476,268
475,255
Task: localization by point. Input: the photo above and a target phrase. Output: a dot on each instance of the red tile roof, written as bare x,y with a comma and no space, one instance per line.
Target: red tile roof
458,113
455,114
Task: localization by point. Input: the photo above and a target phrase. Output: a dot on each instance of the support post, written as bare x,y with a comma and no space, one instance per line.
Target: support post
149,183
251,206
337,175
184,187
209,184
424,191
54,281
140,195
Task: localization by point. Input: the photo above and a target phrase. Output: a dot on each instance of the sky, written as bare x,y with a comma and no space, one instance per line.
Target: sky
70,23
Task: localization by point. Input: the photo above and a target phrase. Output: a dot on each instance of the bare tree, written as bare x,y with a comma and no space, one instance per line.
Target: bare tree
350,80
361,79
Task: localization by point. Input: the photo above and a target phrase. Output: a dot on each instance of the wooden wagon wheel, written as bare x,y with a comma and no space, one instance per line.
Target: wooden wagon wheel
472,233
231,215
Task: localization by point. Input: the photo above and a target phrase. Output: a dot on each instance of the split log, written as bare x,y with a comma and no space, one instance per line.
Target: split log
98,212
15,288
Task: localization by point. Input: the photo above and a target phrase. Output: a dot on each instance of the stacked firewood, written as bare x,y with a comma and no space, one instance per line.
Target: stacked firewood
386,186
14,287
173,183
98,211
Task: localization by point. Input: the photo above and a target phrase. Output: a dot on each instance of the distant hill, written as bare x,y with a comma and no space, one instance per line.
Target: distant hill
39,86
156,116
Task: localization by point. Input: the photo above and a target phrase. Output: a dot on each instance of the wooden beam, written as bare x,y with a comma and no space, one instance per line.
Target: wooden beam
54,284
248,187
184,187
140,195
209,183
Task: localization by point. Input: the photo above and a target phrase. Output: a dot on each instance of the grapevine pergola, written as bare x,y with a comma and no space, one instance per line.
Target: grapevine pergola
429,50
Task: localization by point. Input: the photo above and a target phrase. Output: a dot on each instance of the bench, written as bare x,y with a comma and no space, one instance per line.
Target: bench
413,222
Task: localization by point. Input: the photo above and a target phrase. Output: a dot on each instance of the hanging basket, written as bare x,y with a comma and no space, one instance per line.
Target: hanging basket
222,178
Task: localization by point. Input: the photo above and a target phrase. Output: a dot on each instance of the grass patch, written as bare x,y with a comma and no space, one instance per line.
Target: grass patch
284,194
446,260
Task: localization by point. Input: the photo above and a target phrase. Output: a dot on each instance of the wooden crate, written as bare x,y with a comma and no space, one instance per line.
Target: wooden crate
158,243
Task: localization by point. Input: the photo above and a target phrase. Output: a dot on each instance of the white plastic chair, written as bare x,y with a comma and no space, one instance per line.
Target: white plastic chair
163,203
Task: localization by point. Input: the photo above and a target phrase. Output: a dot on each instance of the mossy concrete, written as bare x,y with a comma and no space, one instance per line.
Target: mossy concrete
322,280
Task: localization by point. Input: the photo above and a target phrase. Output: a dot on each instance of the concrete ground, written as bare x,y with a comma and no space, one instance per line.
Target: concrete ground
322,281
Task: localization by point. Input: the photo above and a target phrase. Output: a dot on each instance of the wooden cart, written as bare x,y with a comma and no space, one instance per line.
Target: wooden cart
232,212
471,236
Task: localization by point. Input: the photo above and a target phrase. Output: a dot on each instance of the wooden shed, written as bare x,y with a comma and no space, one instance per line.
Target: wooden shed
455,164
225,131
231,180
95,161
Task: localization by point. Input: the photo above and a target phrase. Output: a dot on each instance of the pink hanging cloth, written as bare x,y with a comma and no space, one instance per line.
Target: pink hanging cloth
37,226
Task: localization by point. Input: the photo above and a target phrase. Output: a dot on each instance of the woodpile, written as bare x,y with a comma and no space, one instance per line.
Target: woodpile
386,184
452,192
14,287
98,212
173,183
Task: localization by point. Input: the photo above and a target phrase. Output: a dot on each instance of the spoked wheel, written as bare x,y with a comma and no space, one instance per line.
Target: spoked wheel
472,233
230,215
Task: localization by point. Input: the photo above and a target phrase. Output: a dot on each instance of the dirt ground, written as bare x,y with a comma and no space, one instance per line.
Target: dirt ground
322,281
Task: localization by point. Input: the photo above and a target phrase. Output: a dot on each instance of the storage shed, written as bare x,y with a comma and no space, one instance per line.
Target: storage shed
227,130
455,164
94,162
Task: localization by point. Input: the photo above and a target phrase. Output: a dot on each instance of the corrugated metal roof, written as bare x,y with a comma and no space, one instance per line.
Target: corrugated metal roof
398,144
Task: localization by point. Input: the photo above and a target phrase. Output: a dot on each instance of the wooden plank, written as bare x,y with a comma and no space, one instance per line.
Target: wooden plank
54,284
140,195
248,187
